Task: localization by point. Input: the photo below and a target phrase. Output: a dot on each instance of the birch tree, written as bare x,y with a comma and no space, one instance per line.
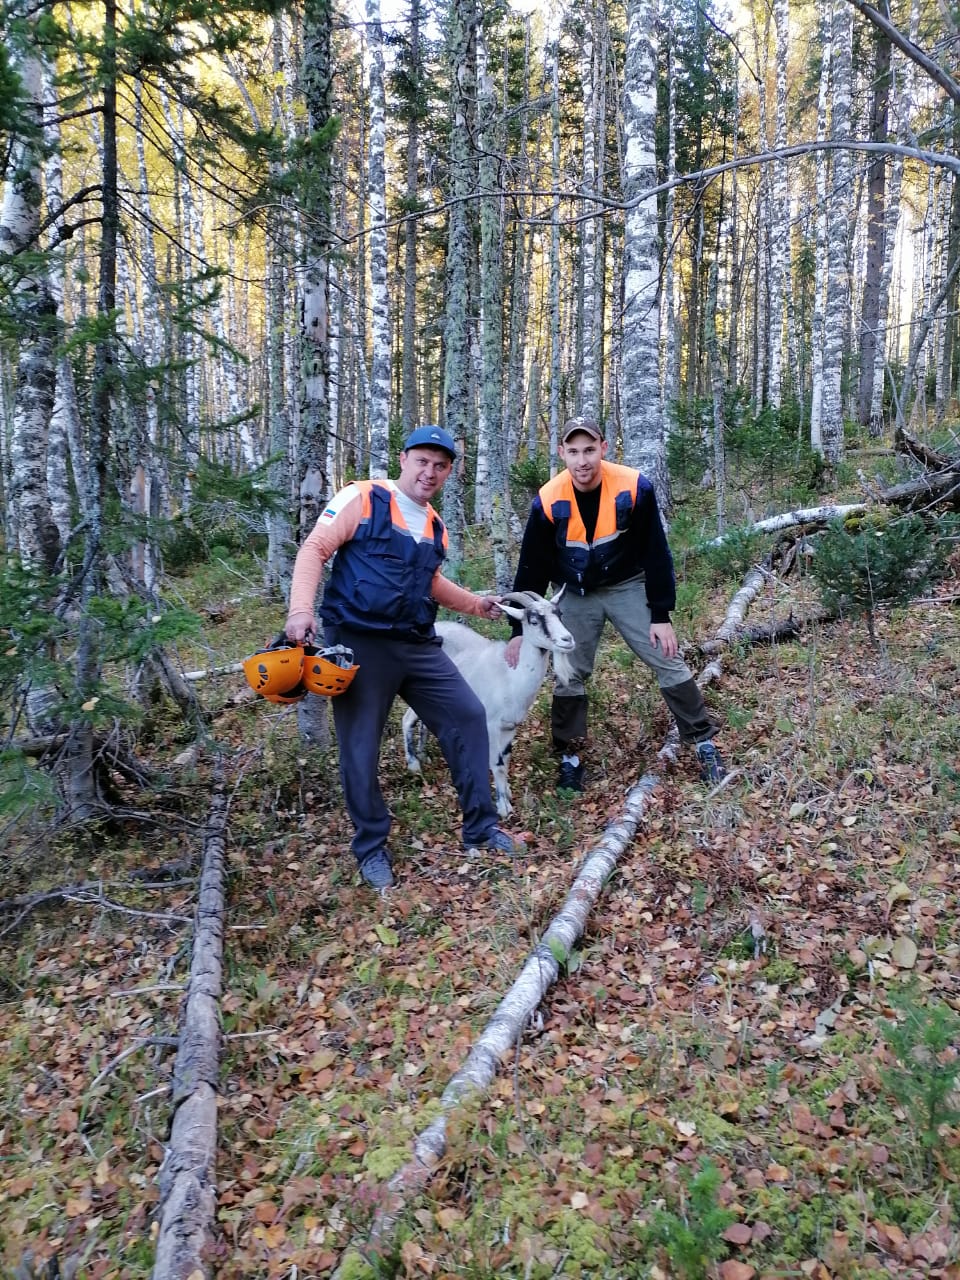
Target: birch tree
838,286
588,396
407,81
491,441
379,411
780,221
461,60
316,75
642,421
38,539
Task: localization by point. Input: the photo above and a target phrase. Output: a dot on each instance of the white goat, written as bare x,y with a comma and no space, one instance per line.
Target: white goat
506,692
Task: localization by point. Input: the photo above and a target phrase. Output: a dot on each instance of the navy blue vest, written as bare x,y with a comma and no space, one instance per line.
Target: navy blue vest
380,580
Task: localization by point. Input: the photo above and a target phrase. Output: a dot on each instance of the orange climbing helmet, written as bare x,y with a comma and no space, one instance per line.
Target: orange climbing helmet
329,671
276,672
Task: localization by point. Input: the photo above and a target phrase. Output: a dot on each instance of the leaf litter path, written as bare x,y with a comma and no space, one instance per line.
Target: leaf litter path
675,1031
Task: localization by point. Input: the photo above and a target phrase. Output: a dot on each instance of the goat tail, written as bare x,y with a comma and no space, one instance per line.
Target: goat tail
562,667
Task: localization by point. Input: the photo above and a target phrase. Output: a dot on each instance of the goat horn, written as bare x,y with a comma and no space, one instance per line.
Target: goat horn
522,598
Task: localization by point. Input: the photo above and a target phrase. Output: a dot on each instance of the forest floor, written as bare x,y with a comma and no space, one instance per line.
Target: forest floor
746,1070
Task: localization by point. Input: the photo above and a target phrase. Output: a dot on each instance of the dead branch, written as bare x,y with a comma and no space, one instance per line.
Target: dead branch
930,490
788,628
187,1175
904,442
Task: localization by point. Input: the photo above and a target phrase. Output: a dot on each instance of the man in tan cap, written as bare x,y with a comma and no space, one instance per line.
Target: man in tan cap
596,528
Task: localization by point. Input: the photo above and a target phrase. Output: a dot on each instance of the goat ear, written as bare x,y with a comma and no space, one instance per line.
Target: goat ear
559,596
512,610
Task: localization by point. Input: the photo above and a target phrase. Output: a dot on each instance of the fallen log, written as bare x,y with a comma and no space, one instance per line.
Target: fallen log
538,974
186,1179
904,442
788,628
512,1014
816,516
929,490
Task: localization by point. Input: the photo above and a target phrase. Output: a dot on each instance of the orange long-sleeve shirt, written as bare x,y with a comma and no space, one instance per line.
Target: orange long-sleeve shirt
332,532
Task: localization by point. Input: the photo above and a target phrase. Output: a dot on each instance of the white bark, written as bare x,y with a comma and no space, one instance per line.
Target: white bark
840,204
587,382
554,300
822,161
37,535
780,208
670,357
379,406
643,442
519,1004
187,1177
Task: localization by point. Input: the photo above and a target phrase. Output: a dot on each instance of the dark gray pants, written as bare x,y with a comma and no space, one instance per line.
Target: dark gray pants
625,607
427,680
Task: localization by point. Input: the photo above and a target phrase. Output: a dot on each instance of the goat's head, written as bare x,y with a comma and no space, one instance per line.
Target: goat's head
542,623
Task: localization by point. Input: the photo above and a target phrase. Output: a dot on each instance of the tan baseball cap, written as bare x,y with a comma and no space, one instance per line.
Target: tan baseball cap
587,425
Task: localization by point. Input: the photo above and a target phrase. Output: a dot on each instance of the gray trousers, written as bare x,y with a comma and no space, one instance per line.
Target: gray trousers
625,607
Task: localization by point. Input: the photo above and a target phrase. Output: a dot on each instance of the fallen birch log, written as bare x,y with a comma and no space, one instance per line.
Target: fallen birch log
538,974
187,1176
204,673
513,1013
805,515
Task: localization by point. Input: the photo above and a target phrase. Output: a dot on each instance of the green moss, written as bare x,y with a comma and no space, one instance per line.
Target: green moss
383,1162
355,1267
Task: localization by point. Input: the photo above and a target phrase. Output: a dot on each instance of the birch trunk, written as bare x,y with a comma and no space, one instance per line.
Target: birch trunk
379,409
902,83
461,56
780,223
588,397
643,442
822,162
870,315
670,362
554,303
38,539
491,293
409,397
316,79
945,368
187,1177
279,529
520,288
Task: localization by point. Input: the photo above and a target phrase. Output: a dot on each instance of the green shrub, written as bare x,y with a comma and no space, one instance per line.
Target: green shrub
882,560
924,1079
692,1236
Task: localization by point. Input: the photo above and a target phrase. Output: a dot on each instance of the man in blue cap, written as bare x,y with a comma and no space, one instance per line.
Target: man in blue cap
387,545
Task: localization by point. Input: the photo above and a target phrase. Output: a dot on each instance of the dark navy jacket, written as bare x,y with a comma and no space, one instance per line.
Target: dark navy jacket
380,580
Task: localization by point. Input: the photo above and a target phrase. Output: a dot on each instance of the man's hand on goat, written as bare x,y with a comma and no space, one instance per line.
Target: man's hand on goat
512,651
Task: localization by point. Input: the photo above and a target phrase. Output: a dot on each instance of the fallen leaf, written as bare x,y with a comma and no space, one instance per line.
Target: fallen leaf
904,952
732,1270
738,1233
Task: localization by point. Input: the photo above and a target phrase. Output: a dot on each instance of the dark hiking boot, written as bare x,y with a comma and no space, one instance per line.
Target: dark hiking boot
375,870
712,768
570,776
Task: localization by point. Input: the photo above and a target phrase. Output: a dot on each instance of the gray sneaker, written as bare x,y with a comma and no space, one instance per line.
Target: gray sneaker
375,870
499,841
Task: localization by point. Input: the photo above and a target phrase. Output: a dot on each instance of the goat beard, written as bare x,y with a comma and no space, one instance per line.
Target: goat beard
562,667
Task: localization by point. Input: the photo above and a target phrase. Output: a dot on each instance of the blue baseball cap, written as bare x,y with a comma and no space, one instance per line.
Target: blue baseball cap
431,438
